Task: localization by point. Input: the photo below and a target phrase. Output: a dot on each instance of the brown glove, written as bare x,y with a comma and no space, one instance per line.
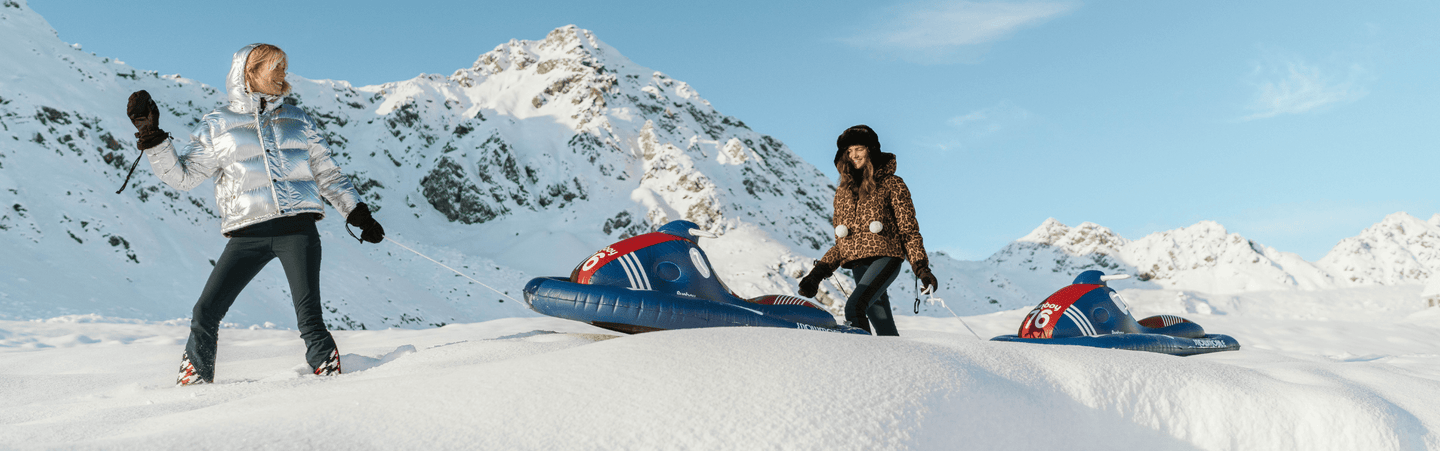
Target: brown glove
145,115
927,280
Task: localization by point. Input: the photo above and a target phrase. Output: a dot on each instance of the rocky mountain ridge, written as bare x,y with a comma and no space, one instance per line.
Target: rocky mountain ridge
522,164
518,166
1399,250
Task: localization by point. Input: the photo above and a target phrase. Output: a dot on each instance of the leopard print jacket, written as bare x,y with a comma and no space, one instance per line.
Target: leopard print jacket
890,205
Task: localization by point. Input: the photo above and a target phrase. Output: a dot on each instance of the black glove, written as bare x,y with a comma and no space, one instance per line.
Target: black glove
810,285
146,117
927,280
369,229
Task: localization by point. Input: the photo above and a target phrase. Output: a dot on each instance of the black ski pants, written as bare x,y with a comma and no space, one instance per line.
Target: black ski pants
296,243
872,277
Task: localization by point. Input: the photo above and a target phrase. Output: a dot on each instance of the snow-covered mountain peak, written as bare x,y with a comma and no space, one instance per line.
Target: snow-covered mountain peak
521,165
540,154
1085,238
1199,236
1399,221
1203,256
569,42
1061,249
1206,255
1049,231
1400,249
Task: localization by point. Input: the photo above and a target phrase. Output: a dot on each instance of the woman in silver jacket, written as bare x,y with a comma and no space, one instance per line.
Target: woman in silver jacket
273,173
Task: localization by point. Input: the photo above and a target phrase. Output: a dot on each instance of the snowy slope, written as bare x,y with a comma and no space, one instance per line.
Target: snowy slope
519,166
567,138
1316,372
543,151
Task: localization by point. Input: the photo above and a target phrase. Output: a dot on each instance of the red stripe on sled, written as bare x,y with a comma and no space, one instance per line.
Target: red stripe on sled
776,299
1040,323
582,273
1158,321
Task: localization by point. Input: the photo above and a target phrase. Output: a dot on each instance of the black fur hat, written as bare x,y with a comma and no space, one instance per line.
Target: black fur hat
858,135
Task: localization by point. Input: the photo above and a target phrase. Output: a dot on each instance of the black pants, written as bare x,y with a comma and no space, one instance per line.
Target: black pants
296,243
872,277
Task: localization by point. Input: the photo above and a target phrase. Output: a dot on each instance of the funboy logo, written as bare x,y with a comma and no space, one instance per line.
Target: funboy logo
1042,314
595,259
1039,320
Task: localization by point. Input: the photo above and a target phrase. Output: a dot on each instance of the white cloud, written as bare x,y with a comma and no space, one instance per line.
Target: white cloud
930,32
990,120
1292,86
979,128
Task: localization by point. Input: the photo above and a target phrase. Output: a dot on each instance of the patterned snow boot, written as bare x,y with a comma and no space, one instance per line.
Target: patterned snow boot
187,373
331,366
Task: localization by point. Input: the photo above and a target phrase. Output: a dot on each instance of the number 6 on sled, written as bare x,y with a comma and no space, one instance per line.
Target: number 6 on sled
1043,319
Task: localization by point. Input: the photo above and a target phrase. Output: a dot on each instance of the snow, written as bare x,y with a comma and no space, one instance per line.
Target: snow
544,151
1315,373
1400,249
519,166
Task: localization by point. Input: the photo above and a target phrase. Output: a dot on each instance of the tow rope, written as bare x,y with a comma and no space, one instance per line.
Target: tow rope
132,171
931,299
472,279
397,243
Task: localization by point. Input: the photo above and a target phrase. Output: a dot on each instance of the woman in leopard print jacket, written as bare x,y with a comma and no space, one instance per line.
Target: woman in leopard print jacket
875,230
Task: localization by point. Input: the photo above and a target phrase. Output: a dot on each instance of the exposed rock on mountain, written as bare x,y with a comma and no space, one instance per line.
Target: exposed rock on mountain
1400,250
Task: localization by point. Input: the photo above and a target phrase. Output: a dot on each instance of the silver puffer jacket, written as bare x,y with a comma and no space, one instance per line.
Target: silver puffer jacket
267,164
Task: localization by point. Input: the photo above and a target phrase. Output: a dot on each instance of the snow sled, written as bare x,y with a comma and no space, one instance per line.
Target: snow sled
1089,313
663,281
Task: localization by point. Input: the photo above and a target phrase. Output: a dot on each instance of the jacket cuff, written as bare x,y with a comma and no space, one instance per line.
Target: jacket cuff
821,270
921,267
148,139
358,215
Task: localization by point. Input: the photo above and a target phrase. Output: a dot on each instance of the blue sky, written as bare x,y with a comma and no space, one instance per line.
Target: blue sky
1293,123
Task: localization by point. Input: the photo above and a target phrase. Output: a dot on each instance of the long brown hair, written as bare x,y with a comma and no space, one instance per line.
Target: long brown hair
857,182
263,58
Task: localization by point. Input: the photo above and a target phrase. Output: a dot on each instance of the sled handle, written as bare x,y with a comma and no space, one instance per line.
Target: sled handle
703,233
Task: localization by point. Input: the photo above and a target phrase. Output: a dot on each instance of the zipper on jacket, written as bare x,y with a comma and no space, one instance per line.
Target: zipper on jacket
265,156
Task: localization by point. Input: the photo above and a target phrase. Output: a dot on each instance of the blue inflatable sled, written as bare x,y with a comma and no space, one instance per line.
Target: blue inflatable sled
1089,313
663,281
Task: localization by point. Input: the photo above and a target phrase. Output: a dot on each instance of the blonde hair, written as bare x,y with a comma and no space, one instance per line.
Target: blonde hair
264,58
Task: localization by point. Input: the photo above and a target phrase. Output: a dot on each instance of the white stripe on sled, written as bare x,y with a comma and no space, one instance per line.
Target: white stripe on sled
1081,321
640,267
625,265
1088,324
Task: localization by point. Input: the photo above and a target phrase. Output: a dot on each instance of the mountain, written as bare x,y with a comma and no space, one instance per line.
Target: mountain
1061,249
1201,257
1399,250
518,166
521,165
